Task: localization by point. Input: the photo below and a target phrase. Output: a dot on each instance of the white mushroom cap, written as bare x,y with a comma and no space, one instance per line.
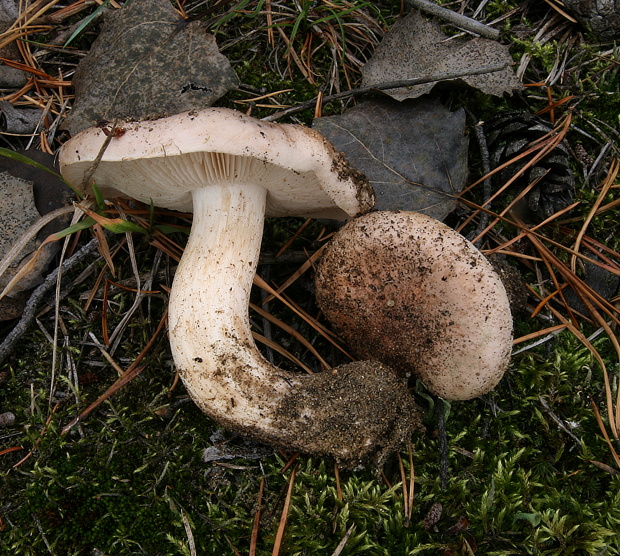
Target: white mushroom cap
164,160
409,291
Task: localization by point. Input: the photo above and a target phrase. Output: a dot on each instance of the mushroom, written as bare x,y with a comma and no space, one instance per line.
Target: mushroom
232,171
408,290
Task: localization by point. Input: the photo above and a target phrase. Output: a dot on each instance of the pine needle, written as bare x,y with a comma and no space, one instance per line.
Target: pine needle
256,522
277,546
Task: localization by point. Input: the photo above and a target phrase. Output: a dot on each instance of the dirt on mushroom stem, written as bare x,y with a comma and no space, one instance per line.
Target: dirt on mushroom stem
352,405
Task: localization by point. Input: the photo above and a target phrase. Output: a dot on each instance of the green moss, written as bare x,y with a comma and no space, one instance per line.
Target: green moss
527,487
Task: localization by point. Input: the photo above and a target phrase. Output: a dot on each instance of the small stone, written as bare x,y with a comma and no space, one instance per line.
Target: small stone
7,419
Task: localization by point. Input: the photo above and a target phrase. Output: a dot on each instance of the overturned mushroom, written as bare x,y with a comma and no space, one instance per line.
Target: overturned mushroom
232,171
407,290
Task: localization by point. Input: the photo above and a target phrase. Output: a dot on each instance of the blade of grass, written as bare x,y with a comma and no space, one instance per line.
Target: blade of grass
11,449
294,236
106,355
601,425
309,263
232,546
589,298
338,484
290,330
277,347
411,485
542,148
403,484
114,225
40,437
533,335
258,281
86,22
28,16
608,393
606,185
24,239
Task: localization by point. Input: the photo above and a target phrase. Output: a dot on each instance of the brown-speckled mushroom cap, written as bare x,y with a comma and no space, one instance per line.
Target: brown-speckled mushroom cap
409,291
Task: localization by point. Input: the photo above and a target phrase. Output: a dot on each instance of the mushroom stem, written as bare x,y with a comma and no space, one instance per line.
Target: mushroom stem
228,378
208,312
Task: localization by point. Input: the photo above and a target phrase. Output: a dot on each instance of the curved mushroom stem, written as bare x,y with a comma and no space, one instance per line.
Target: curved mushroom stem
350,413
210,334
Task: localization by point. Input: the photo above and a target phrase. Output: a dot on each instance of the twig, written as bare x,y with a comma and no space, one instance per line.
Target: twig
344,540
382,87
486,184
47,544
91,170
456,19
559,421
37,297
